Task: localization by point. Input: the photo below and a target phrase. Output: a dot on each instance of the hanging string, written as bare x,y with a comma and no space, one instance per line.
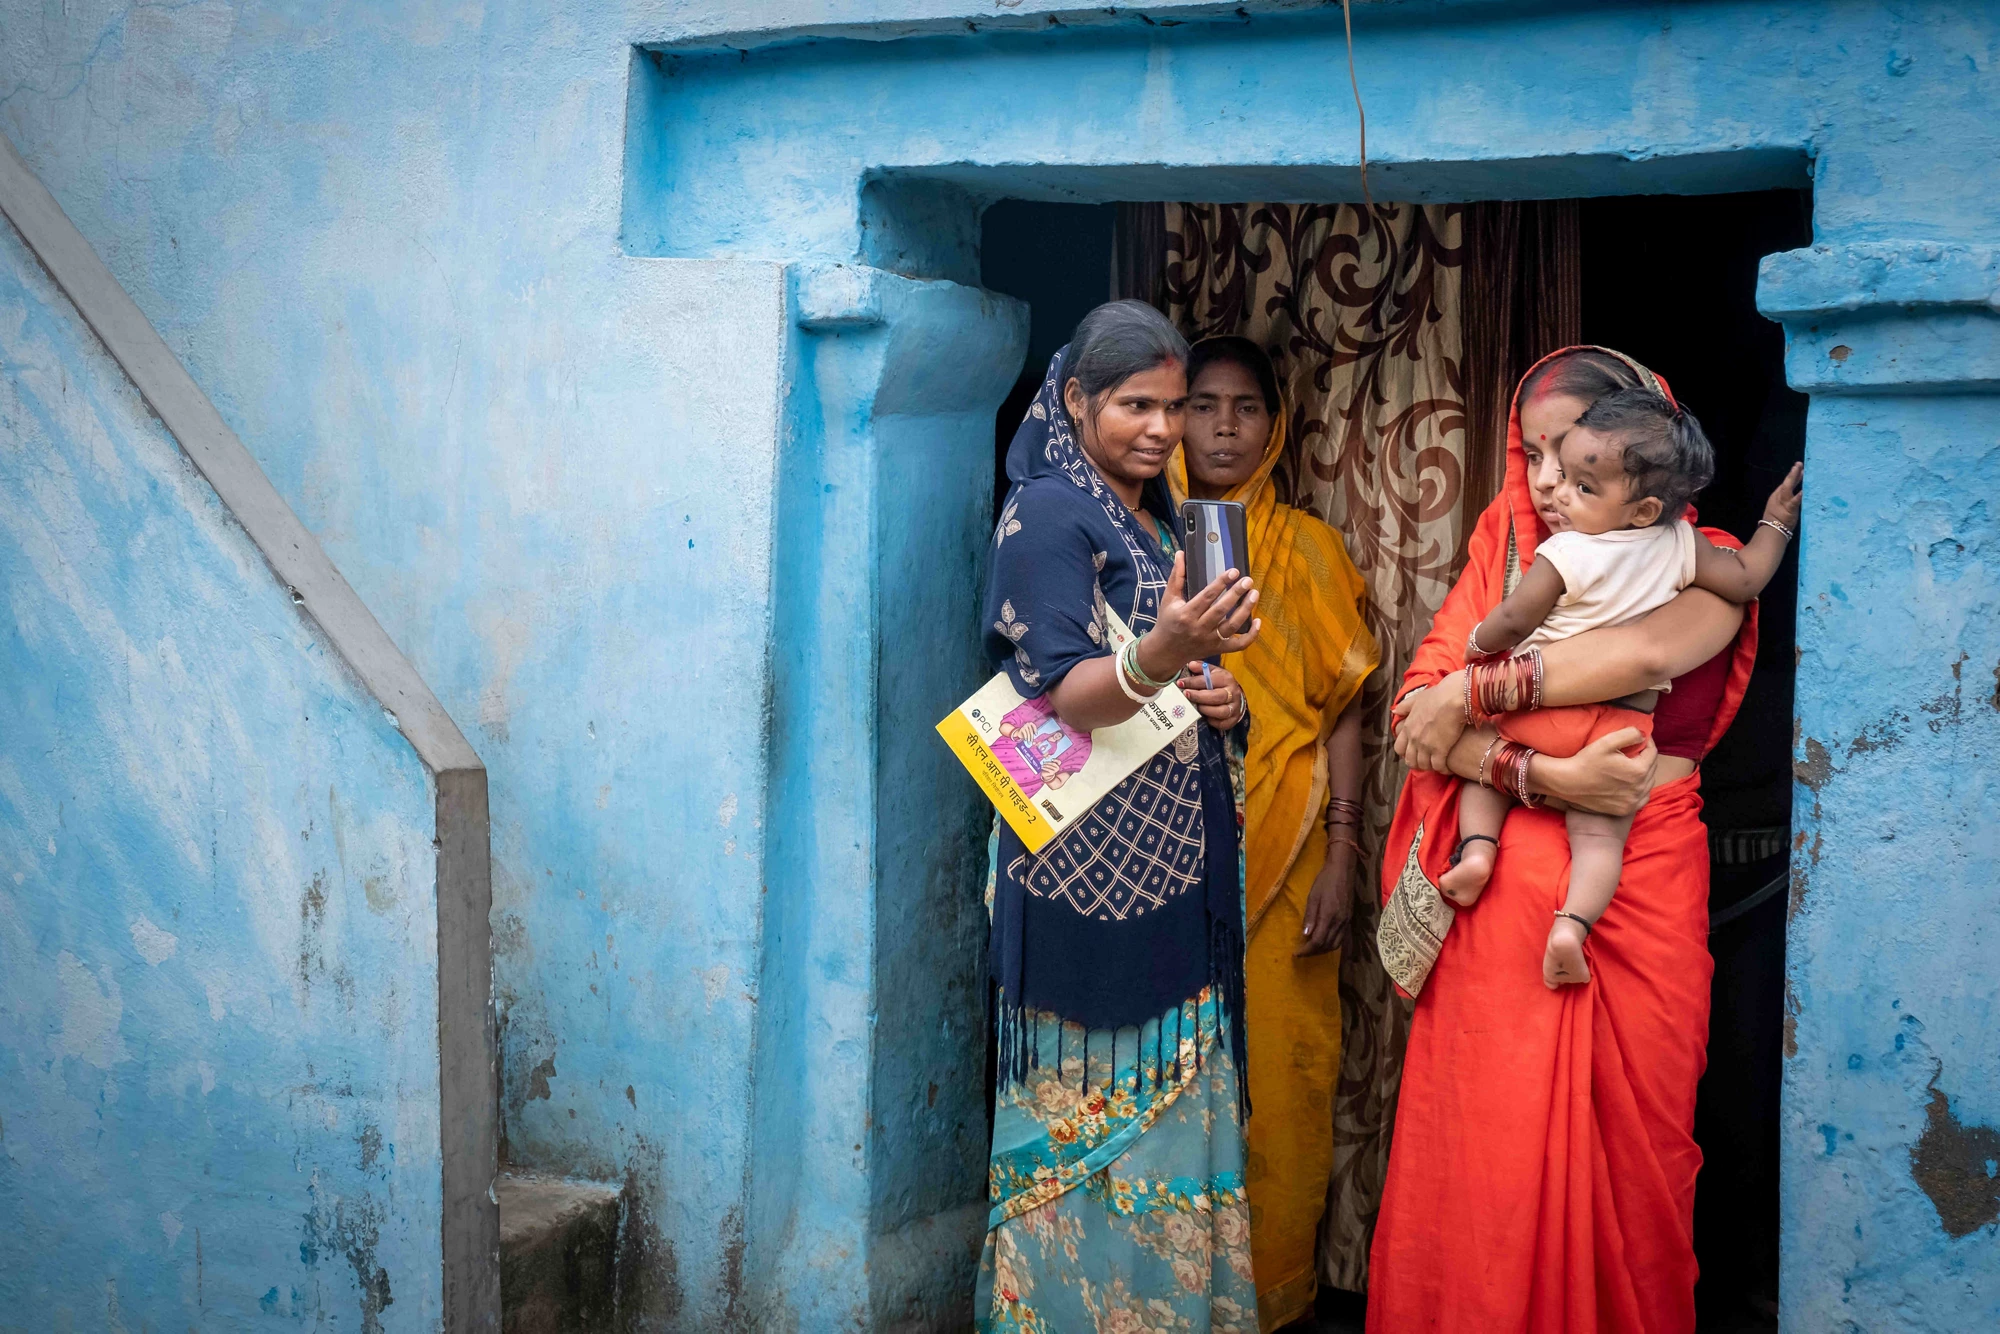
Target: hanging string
1347,15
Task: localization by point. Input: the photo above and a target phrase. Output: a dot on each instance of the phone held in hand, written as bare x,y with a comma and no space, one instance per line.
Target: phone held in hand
1217,541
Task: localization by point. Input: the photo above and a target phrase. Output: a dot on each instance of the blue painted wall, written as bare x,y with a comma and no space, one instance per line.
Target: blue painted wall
1896,1076
383,238
868,1171
218,979
513,317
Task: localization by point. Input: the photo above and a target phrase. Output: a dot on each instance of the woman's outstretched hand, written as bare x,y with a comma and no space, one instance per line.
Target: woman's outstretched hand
1216,695
1602,777
1428,724
1215,620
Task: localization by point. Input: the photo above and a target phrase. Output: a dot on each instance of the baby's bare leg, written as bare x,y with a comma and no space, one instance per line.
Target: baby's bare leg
1596,860
1481,813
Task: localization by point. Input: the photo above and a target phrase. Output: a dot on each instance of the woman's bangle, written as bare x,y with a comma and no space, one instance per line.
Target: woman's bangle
1333,837
1782,531
1484,757
1504,685
1127,673
1510,772
1130,655
1341,811
1522,793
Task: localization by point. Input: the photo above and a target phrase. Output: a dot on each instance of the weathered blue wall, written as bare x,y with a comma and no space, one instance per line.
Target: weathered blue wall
218,979
1892,1112
383,237
513,316
1892,1100
867,1192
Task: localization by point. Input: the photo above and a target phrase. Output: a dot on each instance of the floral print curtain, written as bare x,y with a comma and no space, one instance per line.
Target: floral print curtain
1360,312
1397,334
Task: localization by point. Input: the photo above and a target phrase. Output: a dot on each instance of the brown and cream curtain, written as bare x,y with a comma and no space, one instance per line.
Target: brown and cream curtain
1396,333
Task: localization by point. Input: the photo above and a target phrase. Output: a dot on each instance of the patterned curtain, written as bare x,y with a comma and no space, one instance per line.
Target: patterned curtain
1397,335
1523,298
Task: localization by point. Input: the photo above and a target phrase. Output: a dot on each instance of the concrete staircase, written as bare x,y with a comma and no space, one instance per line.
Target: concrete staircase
558,1254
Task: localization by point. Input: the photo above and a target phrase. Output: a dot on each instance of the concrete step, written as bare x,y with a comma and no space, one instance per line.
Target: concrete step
558,1254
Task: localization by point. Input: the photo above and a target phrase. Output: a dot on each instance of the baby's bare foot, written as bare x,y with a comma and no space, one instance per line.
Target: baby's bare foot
1563,963
1465,882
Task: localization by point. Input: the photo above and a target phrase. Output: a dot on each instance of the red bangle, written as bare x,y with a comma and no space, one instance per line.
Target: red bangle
1510,772
1503,685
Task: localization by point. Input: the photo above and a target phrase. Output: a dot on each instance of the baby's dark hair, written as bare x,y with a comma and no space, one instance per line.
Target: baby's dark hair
1666,454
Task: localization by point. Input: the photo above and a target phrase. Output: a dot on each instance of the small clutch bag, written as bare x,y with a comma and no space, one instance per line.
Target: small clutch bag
1414,920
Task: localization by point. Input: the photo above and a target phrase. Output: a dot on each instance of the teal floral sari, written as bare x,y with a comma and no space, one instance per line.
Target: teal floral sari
1117,1185
1116,1175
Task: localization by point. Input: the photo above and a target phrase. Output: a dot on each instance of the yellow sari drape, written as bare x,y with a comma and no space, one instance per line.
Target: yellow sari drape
1309,662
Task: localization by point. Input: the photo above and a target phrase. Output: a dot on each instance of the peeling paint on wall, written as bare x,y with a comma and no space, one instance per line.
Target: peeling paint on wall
1958,1166
198,1017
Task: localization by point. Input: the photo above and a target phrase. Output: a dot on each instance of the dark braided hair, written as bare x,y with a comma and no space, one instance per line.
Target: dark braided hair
1666,454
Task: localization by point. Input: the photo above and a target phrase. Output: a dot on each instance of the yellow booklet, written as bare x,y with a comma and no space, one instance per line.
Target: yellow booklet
1044,775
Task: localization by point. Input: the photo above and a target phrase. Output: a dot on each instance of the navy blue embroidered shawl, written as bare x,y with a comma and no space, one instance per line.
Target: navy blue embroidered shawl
1138,907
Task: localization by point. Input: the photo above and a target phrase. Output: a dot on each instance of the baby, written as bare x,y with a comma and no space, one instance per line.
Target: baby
1630,466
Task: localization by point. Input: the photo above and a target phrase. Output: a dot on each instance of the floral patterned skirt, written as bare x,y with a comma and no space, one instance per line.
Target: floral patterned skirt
1118,1202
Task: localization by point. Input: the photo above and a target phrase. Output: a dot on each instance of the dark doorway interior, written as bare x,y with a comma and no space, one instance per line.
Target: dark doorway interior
1057,258
1673,282
1670,280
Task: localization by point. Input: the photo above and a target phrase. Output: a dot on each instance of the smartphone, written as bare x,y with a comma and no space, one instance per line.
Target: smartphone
1217,541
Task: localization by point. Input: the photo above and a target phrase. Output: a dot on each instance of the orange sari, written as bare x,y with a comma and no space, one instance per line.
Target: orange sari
1542,1171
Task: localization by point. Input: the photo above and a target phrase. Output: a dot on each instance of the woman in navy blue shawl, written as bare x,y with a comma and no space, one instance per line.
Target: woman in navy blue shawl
1116,1173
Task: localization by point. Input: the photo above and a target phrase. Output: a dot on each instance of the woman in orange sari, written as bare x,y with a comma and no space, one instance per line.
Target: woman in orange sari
1543,1165
1300,774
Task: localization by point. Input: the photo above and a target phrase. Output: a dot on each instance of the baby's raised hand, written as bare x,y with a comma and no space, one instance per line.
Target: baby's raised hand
1783,506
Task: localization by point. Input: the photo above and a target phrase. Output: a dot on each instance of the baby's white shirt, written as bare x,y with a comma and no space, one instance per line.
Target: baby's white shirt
1614,578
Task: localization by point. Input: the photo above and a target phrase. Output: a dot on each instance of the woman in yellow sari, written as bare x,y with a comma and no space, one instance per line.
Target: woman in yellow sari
1300,794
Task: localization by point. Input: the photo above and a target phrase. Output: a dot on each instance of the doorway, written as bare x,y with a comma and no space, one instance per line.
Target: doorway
1672,281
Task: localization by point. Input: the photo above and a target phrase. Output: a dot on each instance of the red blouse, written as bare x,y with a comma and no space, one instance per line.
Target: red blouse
1686,714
